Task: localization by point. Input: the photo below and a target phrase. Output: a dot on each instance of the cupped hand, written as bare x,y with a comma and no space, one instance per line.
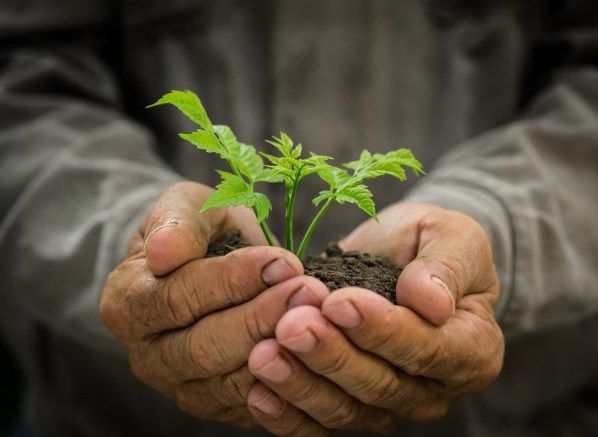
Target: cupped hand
189,323
362,362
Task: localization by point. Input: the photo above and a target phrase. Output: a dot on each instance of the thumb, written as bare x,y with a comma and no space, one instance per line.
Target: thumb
174,232
454,259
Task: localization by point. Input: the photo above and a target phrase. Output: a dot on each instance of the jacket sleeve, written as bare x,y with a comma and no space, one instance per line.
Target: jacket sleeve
533,185
75,177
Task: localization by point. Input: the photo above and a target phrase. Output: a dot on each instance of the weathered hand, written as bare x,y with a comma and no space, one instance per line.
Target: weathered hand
361,361
189,323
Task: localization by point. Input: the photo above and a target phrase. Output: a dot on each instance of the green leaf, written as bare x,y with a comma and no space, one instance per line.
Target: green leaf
233,191
370,166
228,138
407,159
269,175
249,161
359,195
262,206
324,195
207,141
244,156
334,176
296,151
364,159
284,144
189,104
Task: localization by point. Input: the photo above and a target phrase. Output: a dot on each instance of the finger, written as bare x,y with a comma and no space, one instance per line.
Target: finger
468,348
319,398
211,396
135,303
221,342
174,231
454,259
322,348
280,417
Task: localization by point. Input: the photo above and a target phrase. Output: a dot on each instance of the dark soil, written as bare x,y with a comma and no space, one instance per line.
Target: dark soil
336,269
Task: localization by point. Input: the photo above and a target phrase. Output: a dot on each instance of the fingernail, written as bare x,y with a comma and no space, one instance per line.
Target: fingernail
304,343
440,282
269,404
277,271
277,370
303,296
345,315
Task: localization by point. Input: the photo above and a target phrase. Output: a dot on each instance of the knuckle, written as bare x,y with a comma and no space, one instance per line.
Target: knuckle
230,277
176,301
256,327
110,314
145,372
306,392
205,353
344,415
114,303
423,361
334,364
381,391
231,390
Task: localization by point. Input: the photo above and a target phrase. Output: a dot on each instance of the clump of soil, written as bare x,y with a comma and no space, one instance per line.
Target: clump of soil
336,269
226,243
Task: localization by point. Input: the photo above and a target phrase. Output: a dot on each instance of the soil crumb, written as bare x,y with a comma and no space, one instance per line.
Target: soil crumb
336,269
226,243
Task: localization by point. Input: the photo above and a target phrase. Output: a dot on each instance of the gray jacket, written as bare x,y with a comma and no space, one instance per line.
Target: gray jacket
499,99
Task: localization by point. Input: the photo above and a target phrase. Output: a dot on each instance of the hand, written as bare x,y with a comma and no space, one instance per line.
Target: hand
361,362
189,323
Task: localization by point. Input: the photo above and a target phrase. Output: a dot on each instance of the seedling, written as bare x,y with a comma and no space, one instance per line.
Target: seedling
237,188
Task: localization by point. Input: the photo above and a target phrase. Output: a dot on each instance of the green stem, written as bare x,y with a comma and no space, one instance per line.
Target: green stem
312,228
289,214
267,232
263,225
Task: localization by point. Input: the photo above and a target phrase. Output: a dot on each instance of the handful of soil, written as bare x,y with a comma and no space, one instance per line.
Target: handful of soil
336,269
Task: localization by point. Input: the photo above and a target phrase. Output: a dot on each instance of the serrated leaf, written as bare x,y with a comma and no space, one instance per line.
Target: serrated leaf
334,176
269,175
207,141
324,195
262,206
296,151
361,196
233,191
407,159
227,137
249,161
364,159
284,144
244,156
189,104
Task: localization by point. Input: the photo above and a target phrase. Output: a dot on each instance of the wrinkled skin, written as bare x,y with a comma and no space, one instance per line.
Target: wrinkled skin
246,339
188,323
360,362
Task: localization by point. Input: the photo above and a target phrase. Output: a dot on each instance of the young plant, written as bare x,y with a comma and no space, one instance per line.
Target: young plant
345,185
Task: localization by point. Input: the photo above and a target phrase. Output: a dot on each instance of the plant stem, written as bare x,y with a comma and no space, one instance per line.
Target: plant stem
267,232
312,228
263,225
289,214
